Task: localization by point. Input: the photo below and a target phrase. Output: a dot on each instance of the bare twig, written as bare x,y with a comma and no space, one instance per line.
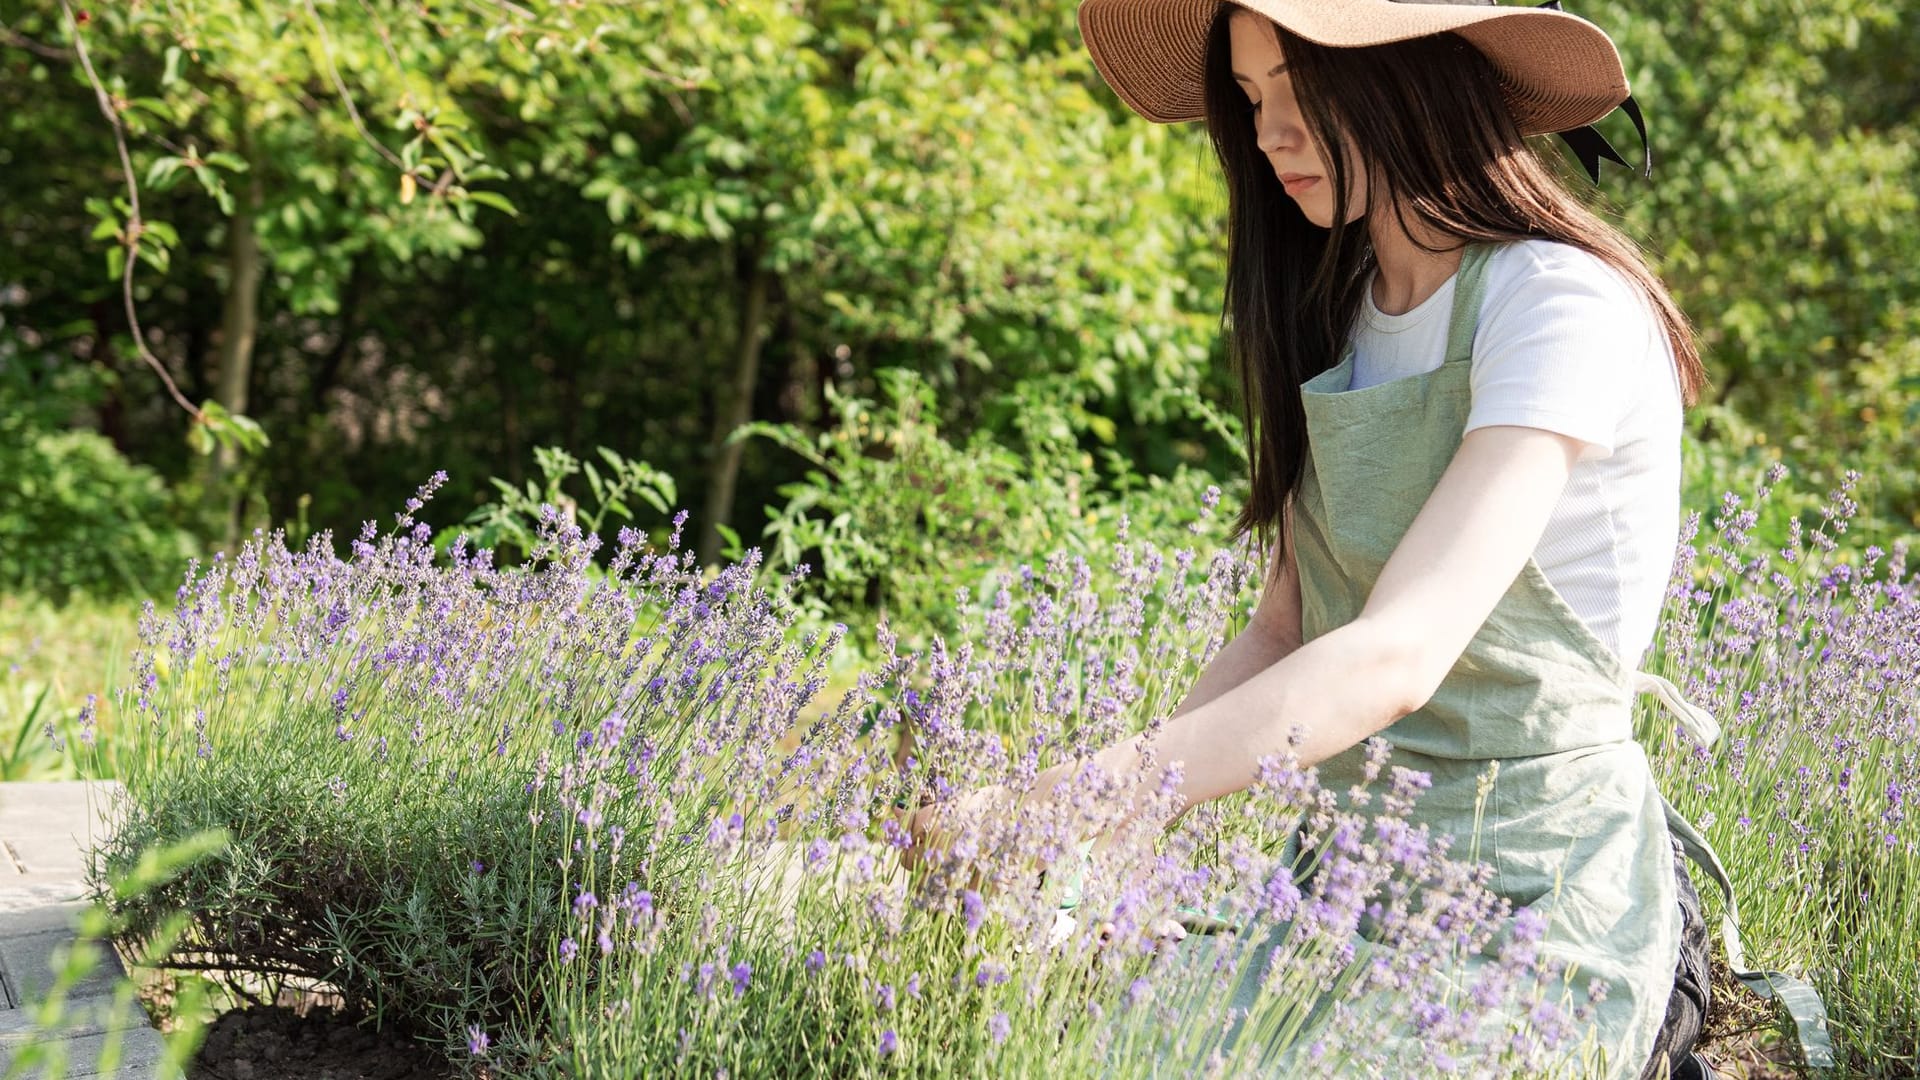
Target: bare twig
131,237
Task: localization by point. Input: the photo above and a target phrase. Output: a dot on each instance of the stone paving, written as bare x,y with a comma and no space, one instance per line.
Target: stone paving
45,828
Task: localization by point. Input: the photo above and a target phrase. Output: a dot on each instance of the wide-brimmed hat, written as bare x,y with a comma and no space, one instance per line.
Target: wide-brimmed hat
1559,71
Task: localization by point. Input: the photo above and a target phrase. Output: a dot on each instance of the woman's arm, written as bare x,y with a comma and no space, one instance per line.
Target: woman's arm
1269,637
1463,551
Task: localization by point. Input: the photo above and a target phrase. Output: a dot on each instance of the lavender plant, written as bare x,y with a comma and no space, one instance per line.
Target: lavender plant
595,825
1809,655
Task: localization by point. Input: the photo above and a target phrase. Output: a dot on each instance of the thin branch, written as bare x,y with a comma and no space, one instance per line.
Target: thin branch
386,39
10,36
237,965
131,237
326,51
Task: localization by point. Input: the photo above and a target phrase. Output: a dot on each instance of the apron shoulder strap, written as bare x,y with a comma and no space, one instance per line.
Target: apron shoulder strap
1469,289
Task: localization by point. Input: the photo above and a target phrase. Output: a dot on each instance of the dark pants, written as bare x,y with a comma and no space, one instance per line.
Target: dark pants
1687,1007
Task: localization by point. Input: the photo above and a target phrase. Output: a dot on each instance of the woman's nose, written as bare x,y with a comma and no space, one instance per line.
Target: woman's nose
1277,132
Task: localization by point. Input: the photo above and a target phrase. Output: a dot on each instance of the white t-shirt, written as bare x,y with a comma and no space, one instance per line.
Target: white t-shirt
1567,344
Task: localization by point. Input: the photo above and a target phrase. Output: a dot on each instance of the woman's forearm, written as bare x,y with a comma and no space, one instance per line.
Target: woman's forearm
1253,650
1337,689
1248,653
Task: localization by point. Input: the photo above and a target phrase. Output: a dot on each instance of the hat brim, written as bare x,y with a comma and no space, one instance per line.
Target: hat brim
1558,71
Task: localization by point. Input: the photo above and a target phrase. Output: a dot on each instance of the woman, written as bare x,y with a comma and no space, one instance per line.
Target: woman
1464,395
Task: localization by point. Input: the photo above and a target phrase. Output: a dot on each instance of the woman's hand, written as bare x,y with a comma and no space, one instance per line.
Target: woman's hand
936,826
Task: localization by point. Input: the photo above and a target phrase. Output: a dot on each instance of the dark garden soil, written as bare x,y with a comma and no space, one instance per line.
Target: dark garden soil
275,1042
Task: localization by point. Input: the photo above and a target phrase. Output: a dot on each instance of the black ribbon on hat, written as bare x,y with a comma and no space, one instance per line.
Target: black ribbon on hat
1590,146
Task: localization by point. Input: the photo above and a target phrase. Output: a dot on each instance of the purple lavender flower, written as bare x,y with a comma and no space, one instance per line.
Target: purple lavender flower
972,909
86,721
889,1042
477,1040
999,1028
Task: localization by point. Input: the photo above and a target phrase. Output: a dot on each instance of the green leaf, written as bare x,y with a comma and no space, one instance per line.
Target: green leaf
163,172
731,550
154,255
494,199
215,187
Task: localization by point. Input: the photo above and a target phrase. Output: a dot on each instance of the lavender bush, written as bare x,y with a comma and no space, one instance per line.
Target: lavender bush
1809,656
595,825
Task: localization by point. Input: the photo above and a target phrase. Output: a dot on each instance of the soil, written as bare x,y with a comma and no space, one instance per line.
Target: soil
275,1042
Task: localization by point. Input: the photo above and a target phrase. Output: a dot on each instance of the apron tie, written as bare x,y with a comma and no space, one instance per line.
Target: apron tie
1697,722
1802,1001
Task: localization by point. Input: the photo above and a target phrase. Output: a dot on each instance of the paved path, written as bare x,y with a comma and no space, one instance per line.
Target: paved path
44,829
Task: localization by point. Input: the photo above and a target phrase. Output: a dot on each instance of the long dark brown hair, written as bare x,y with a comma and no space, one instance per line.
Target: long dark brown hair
1428,119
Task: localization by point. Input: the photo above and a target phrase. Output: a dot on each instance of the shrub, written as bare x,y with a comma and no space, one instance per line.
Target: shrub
1808,654
594,826
895,516
75,515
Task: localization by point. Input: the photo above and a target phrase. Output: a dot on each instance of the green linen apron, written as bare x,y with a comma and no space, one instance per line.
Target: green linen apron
1573,799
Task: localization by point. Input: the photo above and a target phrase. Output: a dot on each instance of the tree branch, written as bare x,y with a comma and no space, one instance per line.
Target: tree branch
131,236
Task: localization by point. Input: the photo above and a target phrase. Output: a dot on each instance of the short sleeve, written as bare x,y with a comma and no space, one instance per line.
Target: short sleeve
1562,344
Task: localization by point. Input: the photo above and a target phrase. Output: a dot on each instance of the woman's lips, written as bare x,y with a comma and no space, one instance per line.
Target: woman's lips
1295,183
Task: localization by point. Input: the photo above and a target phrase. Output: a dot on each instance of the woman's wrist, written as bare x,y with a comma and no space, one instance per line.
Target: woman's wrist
1120,760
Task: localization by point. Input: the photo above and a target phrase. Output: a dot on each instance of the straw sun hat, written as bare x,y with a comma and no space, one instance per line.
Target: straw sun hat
1560,72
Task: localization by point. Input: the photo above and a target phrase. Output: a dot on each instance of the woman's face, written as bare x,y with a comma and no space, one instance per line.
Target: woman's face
1260,70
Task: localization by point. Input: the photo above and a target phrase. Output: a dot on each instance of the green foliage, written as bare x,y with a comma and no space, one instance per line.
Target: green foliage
946,193
889,508
892,517
22,742
510,524
75,515
1782,211
218,426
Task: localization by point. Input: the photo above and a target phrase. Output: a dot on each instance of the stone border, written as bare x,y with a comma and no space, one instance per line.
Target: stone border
45,831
